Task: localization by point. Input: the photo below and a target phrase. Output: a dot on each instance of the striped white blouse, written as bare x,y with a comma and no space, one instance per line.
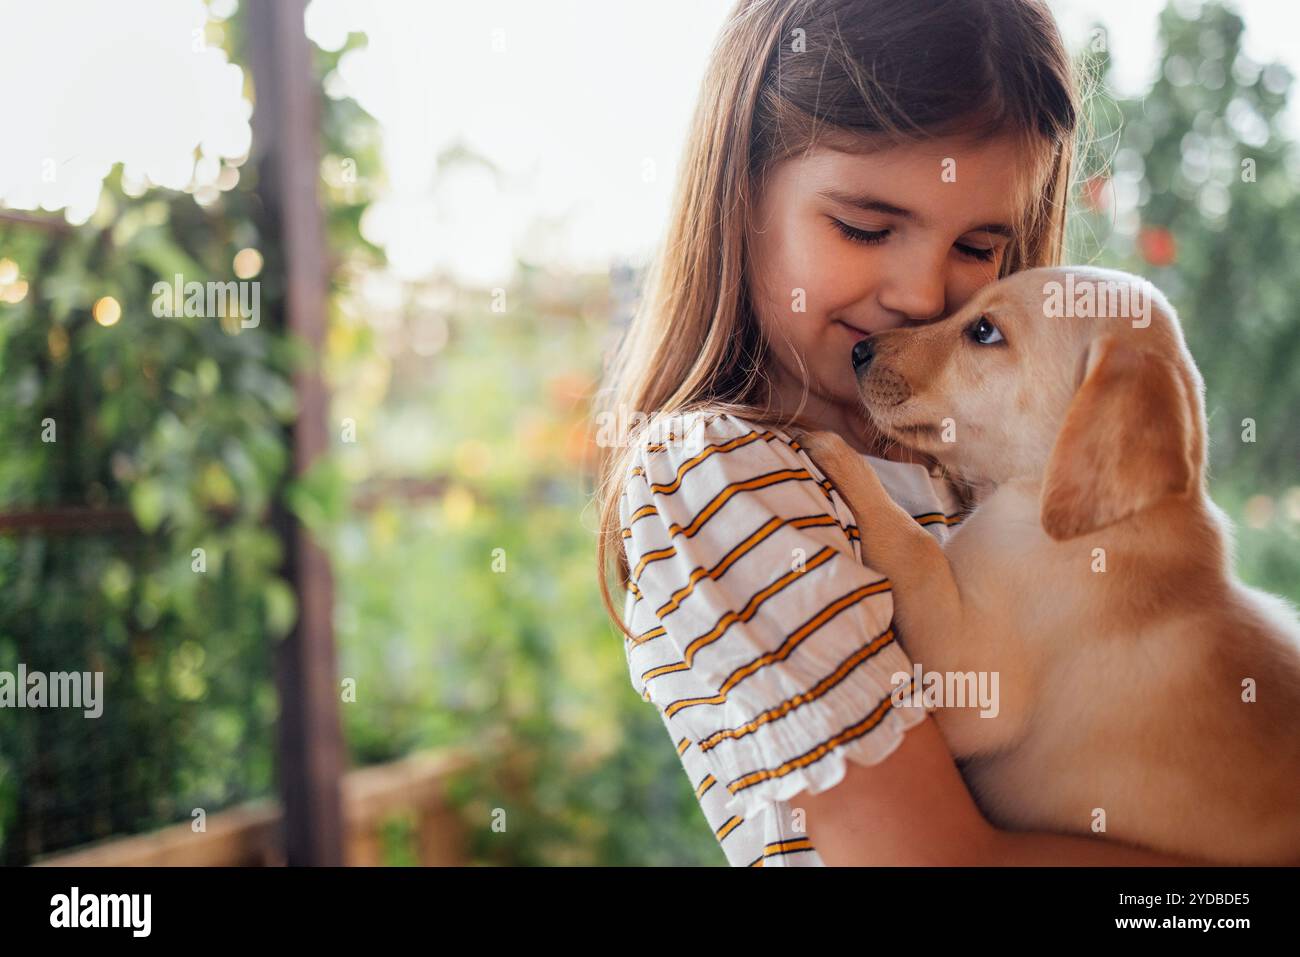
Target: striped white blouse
761,639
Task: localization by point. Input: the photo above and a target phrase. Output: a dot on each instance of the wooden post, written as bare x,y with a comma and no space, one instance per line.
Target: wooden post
285,142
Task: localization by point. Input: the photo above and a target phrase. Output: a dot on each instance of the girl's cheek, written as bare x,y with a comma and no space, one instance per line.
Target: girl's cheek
972,279
812,274
843,280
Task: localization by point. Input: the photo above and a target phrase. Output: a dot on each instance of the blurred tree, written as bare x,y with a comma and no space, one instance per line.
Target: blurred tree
144,451
1194,185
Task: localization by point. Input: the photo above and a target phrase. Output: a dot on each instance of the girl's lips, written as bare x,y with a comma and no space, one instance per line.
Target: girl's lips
854,332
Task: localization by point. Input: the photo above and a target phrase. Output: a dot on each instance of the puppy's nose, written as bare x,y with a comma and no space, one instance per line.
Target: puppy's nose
863,352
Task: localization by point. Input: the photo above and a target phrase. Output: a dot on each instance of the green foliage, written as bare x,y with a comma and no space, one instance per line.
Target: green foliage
174,430
171,425
467,612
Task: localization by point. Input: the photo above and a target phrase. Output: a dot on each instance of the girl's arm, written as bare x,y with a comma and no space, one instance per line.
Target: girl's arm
913,808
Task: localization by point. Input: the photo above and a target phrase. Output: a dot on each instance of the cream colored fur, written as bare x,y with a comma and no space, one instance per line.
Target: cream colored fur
1124,690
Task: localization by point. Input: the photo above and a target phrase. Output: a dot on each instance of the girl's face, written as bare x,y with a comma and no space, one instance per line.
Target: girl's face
844,245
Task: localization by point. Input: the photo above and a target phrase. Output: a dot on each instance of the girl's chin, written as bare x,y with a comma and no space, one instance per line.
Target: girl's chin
840,378
840,386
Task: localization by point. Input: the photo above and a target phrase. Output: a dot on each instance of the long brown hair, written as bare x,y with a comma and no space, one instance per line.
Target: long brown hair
783,76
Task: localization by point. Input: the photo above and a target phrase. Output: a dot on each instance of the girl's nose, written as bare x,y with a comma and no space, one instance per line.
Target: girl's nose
916,295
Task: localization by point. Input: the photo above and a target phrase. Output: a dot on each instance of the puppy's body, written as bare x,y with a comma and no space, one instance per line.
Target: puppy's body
1095,581
1125,686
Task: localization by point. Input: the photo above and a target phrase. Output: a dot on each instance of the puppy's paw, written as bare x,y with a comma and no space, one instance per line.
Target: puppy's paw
848,471
834,456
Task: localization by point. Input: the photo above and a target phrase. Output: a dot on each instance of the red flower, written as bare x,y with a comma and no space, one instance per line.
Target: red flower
1157,245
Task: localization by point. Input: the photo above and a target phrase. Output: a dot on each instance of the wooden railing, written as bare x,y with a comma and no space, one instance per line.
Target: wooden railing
251,834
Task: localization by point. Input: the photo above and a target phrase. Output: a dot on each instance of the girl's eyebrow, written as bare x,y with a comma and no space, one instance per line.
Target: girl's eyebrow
871,204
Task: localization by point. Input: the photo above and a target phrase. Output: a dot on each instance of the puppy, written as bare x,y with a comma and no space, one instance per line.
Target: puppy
1144,691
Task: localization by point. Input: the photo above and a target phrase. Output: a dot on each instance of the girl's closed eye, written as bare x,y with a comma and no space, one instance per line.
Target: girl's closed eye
866,236
871,237
976,252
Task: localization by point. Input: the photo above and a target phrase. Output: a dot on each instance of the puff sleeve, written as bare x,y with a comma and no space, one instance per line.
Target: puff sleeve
759,634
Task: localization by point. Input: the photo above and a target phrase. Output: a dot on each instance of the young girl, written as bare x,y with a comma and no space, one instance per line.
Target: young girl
853,166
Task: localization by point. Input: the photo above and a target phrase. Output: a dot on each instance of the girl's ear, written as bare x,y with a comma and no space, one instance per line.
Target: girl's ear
1128,441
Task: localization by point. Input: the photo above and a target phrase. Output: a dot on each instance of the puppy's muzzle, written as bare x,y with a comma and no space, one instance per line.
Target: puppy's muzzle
879,384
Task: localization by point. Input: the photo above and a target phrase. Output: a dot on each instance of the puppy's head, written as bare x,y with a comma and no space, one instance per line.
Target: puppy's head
1075,376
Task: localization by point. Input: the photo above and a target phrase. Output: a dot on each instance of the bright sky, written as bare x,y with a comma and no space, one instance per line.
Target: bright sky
581,106
88,84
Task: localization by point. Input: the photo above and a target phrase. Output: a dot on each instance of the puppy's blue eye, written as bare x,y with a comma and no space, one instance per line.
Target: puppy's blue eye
985,333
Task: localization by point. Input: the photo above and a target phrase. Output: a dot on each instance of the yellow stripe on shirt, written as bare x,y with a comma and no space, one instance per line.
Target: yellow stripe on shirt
824,686
730,825
731,617
780,654
815,754
778,848
697,523
749,544
717,449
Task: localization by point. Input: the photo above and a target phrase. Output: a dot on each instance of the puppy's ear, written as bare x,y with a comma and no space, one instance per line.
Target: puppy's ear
1128,441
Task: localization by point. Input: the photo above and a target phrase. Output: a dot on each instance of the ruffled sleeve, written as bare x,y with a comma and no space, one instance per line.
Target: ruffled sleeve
760,636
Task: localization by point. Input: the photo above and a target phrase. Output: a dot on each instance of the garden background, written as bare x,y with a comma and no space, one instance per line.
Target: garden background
461,436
